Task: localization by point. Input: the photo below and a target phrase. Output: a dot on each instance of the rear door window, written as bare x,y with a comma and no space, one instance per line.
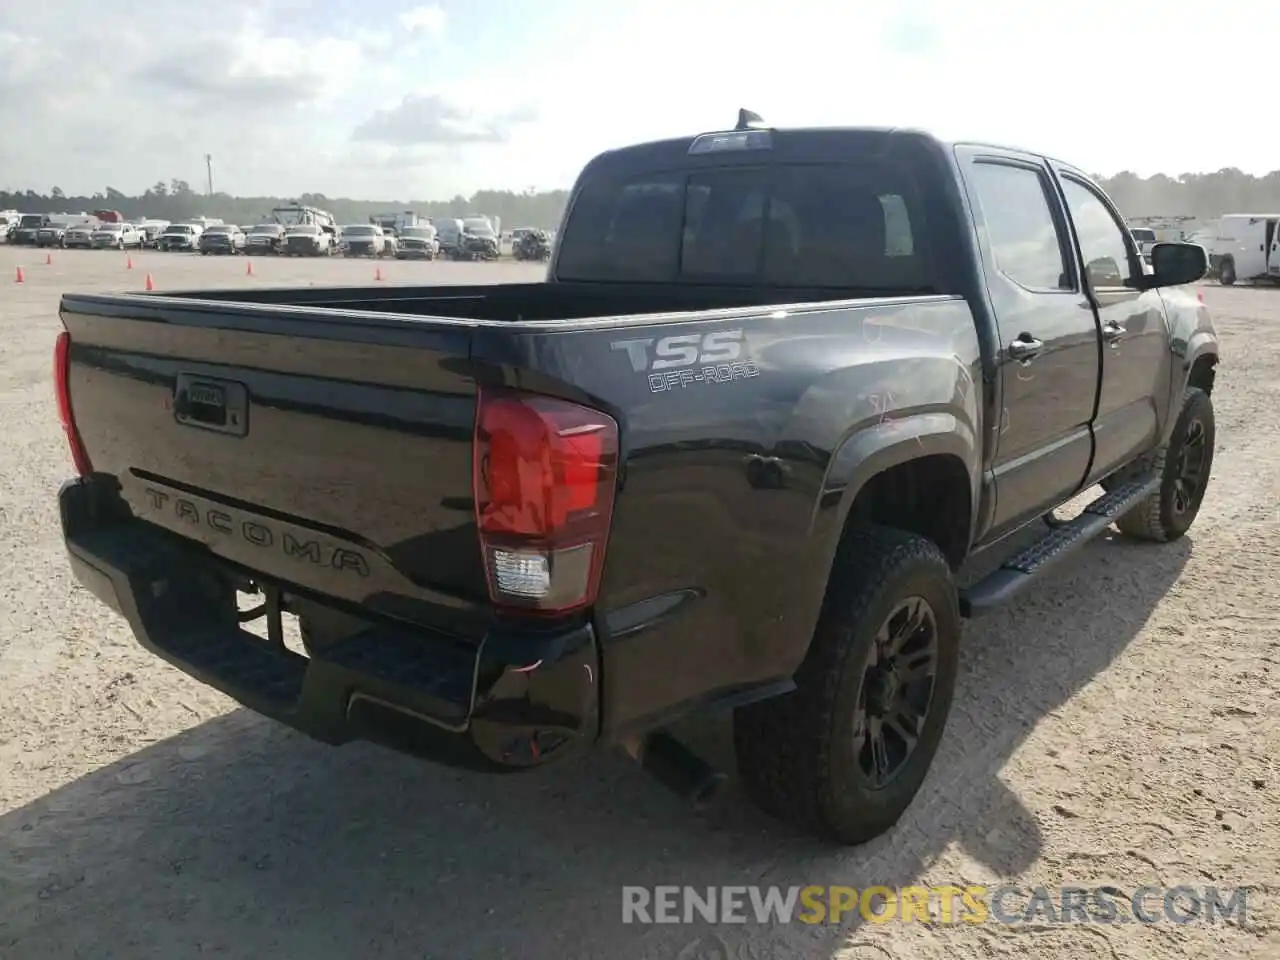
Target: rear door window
1020,225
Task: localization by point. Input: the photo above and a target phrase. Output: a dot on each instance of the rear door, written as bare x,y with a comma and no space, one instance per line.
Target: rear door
1136,362
1049,358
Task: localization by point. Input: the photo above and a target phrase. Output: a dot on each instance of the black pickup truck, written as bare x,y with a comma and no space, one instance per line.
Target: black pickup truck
778,386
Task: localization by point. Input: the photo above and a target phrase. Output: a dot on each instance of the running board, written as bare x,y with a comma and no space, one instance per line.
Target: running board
1023,569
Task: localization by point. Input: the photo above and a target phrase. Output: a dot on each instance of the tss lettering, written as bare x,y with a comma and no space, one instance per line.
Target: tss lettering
682,350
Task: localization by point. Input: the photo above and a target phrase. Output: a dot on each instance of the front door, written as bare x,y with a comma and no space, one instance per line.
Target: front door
1049,361
1136,360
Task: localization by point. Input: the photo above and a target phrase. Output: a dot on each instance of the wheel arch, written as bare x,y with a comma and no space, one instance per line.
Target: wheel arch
921,478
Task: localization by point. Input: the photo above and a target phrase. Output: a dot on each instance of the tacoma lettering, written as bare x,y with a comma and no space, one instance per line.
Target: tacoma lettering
313,551
303,551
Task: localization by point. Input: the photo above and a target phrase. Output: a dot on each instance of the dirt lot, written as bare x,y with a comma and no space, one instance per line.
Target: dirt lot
1121,727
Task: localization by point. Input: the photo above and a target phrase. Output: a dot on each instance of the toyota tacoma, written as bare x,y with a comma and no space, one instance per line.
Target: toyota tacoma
778,386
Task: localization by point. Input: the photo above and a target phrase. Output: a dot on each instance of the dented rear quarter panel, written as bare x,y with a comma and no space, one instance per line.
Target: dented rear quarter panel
746,435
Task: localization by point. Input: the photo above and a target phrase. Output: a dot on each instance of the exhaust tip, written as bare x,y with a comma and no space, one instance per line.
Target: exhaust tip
706,793
678,769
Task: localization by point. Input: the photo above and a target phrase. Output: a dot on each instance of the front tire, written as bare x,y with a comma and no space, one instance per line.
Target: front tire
844,754
1227,273
1184,463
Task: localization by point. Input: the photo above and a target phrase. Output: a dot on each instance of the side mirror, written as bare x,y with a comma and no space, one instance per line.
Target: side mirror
1174,264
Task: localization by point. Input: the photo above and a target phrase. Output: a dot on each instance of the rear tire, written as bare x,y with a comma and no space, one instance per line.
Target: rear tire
1227,273
1184,464
809,757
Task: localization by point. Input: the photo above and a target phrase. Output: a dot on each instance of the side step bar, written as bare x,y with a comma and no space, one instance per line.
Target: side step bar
1023,569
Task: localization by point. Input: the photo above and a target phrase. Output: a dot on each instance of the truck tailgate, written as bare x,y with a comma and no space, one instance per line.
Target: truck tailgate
330,454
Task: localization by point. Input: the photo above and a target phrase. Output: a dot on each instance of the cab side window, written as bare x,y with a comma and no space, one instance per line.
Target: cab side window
1108,257
1021,227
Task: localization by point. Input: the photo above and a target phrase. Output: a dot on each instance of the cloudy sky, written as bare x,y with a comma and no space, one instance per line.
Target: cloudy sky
397,99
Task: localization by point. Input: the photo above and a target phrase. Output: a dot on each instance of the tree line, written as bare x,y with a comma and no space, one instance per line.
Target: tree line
177,200
1201,195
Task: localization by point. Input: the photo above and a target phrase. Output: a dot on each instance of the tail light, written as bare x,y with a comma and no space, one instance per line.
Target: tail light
62,383
544,477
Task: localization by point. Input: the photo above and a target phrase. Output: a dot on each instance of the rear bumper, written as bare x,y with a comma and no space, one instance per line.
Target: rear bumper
516,700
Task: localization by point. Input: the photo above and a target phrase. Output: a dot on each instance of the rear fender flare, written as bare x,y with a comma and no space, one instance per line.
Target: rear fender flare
868,452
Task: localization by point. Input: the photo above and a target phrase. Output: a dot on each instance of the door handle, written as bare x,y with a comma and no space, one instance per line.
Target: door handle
1025,348
1112,332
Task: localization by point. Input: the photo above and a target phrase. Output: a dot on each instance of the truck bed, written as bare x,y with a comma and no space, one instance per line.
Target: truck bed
508,302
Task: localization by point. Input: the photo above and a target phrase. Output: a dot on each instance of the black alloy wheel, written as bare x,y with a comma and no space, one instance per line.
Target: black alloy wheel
897,691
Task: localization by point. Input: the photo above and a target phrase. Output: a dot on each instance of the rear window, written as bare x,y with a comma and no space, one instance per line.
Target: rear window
1144,236
813,225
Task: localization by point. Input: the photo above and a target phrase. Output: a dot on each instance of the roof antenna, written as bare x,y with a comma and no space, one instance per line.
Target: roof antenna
747,119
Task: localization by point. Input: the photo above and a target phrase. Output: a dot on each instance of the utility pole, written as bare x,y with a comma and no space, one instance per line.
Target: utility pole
208,164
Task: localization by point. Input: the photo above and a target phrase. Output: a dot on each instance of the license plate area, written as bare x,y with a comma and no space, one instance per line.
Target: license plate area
207,404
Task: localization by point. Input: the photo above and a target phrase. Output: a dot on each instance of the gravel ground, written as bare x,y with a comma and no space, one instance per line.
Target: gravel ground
1119,727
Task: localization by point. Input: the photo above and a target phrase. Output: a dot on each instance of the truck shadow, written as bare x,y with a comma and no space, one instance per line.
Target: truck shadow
242,839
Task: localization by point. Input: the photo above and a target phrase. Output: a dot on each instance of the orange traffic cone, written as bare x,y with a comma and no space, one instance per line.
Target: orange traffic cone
48,259
128,263
19,278
377,273
150,284
248,268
